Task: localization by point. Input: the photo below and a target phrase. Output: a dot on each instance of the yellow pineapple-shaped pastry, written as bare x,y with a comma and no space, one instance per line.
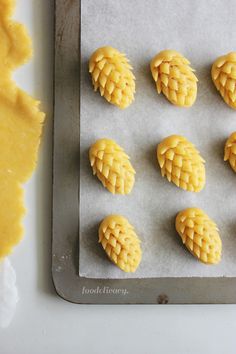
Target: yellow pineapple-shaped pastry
174,78
120,242
20,129
223,74
181,163
112,166
199,234
112,75
230,151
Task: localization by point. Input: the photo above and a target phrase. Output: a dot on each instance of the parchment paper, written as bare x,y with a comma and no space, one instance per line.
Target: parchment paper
202,31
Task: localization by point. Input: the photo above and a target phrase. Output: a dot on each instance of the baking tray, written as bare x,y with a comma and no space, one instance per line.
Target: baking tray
65,226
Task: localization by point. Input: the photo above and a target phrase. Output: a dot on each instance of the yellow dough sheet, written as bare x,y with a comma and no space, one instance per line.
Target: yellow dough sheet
20,129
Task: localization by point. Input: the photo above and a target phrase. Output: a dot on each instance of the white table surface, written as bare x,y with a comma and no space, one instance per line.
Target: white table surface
44,323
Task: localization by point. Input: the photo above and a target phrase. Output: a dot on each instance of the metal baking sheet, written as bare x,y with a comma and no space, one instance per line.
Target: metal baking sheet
66,207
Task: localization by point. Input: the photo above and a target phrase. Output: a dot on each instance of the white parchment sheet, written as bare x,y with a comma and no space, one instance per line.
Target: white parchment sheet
201,30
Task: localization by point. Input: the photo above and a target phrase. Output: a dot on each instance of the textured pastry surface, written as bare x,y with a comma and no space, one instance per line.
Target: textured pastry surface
20,129
174,78
181,163
230,151
199,234
120,242
112,166
112,75
223,74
